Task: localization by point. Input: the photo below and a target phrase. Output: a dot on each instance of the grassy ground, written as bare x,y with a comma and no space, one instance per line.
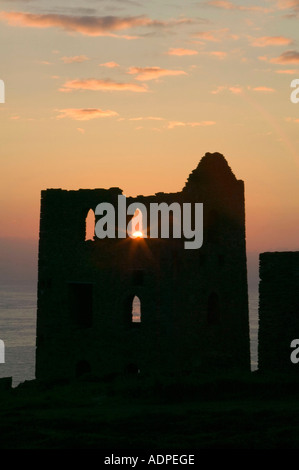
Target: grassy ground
252,412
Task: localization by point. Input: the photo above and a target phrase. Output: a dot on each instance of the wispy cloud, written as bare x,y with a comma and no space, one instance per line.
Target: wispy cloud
173,124
102,85
181,52
218,54
288,57
289,119
147,118
109,65
45,62
235,89
217,35
85,114
265,41
288,71
263,89
74,59
292,5
87,25
238,90
152,73
227,5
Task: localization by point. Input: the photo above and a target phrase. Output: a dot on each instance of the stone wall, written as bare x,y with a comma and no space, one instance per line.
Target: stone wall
278,310
194,303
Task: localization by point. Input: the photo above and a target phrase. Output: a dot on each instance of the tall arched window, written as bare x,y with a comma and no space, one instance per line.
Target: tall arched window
213,316
136,225
89,225
136,310
132,311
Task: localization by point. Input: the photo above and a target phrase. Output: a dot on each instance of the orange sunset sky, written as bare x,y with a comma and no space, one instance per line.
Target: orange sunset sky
132,93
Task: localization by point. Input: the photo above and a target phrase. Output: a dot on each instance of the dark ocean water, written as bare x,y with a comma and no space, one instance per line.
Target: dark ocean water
18,330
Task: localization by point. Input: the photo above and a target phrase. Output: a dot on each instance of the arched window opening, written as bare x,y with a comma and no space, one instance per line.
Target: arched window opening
213,316
136,310
90,225
82,368
136,225
132,311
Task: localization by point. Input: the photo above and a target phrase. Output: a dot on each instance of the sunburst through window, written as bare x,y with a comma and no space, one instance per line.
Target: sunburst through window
136,224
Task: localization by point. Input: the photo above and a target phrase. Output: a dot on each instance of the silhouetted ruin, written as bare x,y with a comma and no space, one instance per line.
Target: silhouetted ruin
278,310
193,309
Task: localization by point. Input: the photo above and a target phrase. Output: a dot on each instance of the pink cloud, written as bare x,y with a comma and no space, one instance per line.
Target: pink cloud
219,54
292,5
86,25
263,89
173,124
74,59
149,118
218,90
288,57
217,35
182,52
110,65
285,4
227,5
235,90
287,71
271,41
85,114
102,85
289,119
152,73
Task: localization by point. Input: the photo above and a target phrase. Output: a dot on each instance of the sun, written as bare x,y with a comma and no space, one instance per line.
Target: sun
138,234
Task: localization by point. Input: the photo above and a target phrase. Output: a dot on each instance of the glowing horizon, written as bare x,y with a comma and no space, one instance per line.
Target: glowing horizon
133,94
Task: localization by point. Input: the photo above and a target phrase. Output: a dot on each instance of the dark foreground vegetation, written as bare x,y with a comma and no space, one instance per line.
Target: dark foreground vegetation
251,412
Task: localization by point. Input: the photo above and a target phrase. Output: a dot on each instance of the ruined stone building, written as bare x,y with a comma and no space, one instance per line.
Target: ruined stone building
191,306
278,310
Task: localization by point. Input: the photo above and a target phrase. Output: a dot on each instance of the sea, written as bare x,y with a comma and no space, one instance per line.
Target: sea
18,331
